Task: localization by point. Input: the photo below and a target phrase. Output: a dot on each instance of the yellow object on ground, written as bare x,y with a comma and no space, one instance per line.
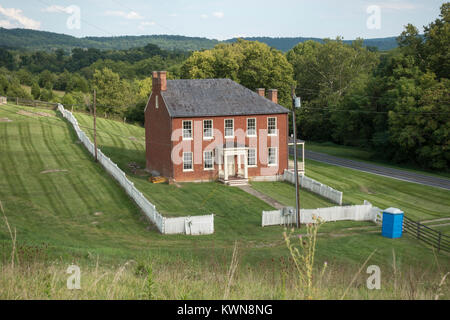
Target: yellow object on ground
158,180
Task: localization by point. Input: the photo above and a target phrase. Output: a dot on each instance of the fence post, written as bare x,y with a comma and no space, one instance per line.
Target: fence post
17,101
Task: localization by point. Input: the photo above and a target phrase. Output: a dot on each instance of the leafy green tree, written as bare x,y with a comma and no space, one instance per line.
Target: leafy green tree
46,79
25,77
7,59
252,64
325,73
47,94
16,90
35,91
4,83
413,87
68,100
113,94
437,43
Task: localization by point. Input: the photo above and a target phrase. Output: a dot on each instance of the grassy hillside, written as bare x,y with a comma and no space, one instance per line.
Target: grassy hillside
65,209
43,40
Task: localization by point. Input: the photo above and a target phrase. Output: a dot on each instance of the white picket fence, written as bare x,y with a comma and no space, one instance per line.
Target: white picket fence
365,212
195,225
314,186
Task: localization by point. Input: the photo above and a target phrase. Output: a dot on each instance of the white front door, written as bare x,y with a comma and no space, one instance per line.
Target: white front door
231,166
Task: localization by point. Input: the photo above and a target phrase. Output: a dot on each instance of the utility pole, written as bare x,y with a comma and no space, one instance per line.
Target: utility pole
95,125
296,103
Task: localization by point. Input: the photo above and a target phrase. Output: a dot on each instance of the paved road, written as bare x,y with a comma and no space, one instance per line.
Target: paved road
380,170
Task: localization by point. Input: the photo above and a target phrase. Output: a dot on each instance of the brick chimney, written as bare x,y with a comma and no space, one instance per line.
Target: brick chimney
273,95
261,92
159,82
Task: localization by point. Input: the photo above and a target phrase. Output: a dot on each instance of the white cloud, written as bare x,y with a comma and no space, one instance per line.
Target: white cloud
132,15
173,15
17,16
6,24
218,14
397,5
57,9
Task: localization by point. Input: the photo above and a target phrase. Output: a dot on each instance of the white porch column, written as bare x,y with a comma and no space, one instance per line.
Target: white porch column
245,165
239,163
225,165
219,160
303,156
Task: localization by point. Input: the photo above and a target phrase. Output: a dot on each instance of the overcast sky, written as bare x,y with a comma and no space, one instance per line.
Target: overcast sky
220,19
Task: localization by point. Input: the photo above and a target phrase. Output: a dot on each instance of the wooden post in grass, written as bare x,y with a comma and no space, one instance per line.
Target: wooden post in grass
297,191
95,124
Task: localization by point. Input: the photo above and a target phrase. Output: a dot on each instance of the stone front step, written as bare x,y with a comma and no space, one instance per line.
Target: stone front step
235,182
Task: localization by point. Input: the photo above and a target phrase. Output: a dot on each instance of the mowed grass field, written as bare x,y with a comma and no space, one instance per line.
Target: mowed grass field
363,155
59,201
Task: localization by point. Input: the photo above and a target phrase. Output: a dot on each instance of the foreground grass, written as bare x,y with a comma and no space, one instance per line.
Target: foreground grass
172,277
82,216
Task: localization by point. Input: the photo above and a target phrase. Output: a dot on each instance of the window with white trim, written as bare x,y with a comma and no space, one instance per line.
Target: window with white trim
272,126
273,157
251,127
229,128
187,130
187,161
207,129
251,157
208,160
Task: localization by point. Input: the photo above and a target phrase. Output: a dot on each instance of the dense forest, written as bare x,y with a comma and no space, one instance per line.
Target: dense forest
394,102
42,40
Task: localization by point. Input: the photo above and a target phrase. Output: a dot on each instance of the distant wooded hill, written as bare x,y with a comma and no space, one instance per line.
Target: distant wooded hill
43,40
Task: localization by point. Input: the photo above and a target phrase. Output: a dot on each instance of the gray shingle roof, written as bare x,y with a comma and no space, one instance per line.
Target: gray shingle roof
215,97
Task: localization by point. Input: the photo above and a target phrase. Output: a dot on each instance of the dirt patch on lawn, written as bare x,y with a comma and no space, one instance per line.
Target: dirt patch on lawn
5,120
34,114
366,190
55,170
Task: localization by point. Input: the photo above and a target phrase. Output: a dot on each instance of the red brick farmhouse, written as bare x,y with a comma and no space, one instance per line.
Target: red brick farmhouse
203,130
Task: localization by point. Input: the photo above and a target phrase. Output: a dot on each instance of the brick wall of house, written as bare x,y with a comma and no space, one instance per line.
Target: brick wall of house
158,133
240,123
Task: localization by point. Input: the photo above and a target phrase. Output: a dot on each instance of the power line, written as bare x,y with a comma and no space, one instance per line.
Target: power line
156,23
83,20
360,95
374,112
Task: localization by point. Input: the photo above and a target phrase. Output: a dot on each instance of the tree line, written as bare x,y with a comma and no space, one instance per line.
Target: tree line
395,103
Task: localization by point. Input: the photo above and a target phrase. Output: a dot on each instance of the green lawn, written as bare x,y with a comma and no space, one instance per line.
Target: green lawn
59,209
284,193
363,155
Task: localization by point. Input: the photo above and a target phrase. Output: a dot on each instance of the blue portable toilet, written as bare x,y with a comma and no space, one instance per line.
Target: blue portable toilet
392,223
